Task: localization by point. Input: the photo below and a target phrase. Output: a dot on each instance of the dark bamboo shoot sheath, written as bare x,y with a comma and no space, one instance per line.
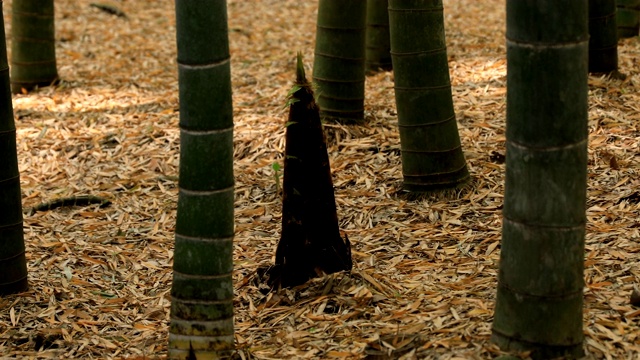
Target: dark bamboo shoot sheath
432,156
378,56
310,243
338,68
202,290
603,37
33,50
628,18
540,284
13,263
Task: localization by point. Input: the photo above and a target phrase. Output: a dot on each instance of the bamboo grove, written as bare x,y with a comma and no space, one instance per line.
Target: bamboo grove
550,53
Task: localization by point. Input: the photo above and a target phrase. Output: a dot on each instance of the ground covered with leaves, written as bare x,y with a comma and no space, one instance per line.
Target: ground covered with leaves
424,277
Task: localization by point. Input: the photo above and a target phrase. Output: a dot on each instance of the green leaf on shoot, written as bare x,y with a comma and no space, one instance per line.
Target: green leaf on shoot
293,89
290,102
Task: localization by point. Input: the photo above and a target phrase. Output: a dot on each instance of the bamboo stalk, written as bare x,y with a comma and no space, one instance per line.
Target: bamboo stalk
432,156
13,264
628,18
202,291
603,37
540,284
338,69
33,50
377,55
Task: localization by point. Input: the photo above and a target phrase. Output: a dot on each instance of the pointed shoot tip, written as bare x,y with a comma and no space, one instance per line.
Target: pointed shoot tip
300,75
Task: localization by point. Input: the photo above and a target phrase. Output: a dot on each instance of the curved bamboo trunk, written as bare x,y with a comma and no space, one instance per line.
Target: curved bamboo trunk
432,156
540,285
33,50
378,48
13,264
603,37
202,291
628,18
338,68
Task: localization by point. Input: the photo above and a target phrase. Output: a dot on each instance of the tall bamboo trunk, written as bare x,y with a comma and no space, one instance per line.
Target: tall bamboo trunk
377,55
432,156
202,291
33,50
338,68
628,18
603,36
13,264
540,284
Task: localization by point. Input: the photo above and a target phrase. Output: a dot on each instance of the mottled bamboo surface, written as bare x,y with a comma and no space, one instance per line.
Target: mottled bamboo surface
424,277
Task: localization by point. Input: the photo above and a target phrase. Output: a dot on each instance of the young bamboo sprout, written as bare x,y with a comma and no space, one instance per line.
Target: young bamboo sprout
310,244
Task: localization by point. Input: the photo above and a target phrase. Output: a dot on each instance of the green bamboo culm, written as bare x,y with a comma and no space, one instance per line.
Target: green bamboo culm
202,291
33,51
377,55
432,156
13,264
628,18
338,69
603,37
540,281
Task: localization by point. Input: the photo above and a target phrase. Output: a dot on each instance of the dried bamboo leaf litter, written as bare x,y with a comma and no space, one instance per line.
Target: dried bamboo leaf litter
425,269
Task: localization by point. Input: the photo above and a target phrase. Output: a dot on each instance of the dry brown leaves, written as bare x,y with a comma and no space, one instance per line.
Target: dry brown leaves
424,277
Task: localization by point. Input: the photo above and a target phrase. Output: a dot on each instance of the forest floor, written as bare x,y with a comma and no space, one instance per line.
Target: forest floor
425,271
